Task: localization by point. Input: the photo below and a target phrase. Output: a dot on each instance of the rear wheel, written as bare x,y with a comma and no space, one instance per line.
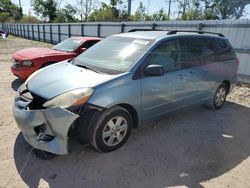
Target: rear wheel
219,98
111,130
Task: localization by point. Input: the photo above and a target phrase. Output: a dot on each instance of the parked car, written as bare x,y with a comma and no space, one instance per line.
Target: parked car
27,61
123,82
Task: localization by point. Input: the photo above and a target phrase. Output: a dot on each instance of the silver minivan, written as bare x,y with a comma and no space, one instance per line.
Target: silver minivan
121,83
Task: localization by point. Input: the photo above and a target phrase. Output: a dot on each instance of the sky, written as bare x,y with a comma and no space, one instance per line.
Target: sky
151,6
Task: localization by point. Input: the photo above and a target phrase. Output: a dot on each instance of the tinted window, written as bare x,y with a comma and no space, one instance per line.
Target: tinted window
167,55
196,51
190,52
223,50
88,44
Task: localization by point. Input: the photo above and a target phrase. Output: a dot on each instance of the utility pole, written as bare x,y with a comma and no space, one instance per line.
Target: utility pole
129,7
20,4
169,8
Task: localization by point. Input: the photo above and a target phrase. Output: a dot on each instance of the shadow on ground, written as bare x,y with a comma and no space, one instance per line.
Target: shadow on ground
185,148
16,84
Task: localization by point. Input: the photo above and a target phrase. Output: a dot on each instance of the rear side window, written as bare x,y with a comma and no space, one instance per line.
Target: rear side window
197,51
224,50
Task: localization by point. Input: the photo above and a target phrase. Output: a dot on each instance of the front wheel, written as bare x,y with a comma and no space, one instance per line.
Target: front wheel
112,129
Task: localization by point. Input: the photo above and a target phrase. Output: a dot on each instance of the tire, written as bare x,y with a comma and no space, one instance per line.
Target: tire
44,155
111,129
219,98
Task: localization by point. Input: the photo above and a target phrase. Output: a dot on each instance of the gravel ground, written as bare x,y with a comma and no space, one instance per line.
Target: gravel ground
196,147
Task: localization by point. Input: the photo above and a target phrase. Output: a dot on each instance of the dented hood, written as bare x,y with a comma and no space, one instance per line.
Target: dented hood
62,77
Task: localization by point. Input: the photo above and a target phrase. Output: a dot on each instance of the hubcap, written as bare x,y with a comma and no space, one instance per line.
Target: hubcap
220,97
114,131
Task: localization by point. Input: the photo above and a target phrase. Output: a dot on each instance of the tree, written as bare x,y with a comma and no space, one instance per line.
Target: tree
47,9
159,16
230,9
183,6
29,19
66,14
84,8
9,11
211,9
140,13
109,12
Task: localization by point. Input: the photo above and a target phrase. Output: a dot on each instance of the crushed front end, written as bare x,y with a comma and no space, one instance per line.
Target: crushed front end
43,128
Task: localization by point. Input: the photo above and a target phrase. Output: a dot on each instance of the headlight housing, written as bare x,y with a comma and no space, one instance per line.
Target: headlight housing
27,63
72,98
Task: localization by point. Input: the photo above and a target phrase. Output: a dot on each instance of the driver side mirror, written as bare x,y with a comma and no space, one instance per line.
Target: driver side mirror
82,50
154,70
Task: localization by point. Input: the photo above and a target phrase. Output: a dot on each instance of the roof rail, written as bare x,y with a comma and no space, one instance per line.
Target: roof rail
193,31
142,29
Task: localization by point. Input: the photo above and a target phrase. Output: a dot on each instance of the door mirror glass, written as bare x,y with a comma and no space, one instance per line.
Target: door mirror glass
154,70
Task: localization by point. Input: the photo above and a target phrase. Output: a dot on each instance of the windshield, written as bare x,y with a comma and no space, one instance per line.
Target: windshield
68,45
114,54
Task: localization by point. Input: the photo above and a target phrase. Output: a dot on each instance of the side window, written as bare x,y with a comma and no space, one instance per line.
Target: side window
191,52
223,50
208,51
167,55
196,51
88,44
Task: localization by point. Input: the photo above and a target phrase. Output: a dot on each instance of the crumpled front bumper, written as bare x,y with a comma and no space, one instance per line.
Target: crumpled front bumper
45,129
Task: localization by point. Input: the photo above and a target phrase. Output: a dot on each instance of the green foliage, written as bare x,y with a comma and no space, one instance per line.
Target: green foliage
9,11
67,14
160,16
46,9
211,9
29,19
110,12
140,15
4,17
84,8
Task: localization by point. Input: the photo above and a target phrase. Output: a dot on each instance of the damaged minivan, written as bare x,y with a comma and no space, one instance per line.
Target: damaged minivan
121,83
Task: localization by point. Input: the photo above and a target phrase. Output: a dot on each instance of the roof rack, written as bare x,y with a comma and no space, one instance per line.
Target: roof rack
142,29
193,31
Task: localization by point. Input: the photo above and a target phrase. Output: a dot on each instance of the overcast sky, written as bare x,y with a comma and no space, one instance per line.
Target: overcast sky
151,5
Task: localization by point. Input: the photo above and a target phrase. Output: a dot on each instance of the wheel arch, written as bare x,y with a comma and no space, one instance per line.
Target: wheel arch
132,112
228,84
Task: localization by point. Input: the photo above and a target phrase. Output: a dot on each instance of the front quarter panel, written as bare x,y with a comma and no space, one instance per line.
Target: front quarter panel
120,90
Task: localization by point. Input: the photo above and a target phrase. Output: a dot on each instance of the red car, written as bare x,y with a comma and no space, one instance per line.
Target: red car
28,60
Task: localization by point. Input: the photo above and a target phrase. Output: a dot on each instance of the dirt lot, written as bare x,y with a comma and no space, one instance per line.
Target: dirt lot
193,148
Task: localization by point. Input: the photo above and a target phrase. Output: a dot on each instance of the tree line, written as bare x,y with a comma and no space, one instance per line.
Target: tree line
116,10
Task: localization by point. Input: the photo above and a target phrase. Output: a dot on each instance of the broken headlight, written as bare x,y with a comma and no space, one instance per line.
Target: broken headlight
72,98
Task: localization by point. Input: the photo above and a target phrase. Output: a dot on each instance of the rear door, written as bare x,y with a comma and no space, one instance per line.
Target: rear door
196,53
162,94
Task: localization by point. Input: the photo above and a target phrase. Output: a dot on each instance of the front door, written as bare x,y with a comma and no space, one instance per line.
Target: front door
163,94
